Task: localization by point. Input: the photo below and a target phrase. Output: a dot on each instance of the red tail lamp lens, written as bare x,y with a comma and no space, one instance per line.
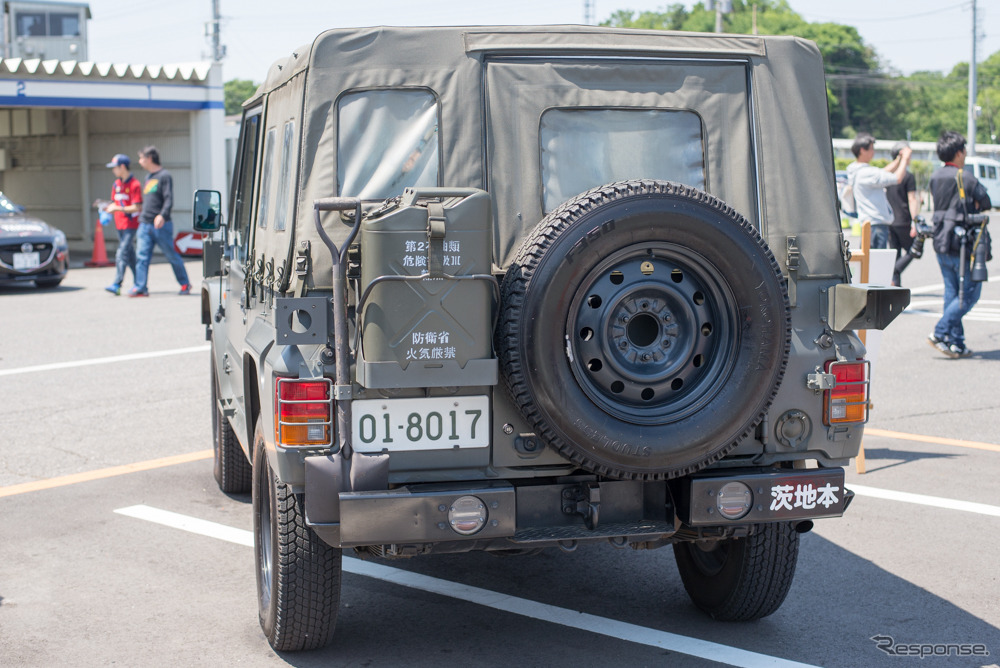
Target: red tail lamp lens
303,413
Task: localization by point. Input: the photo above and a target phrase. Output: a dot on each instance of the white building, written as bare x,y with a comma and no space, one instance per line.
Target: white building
62,121
45,30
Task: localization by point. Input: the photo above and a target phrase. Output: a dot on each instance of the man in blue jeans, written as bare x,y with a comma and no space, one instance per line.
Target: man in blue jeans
956,194
155,226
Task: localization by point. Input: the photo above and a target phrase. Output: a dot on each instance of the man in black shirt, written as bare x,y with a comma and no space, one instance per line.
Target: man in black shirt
956,194
155,226
905,205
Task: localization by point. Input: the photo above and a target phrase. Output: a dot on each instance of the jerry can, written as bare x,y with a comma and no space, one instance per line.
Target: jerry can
428,295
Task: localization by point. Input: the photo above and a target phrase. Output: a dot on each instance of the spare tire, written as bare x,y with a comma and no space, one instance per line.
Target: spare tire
644,329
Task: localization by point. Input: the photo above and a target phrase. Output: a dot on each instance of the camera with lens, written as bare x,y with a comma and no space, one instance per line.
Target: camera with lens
923,231
979,239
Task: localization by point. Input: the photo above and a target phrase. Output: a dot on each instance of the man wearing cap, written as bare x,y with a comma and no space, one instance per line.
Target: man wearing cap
126,200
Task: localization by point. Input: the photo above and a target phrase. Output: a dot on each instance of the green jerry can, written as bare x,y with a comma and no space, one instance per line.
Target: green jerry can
428,294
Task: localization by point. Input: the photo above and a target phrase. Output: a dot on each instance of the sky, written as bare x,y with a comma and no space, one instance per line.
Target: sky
909,35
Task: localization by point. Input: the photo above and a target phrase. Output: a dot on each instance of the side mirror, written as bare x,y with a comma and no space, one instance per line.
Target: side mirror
207,211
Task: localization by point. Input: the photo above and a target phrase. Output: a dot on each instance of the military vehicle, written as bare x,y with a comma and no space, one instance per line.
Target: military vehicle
516,288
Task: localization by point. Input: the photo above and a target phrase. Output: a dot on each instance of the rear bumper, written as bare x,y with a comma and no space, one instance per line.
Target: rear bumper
776,496
563,511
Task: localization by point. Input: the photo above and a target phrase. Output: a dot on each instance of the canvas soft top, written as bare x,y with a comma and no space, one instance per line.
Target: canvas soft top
788,108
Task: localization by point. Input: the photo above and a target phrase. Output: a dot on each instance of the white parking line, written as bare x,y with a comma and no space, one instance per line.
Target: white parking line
102,360
491,599
924,500
985,310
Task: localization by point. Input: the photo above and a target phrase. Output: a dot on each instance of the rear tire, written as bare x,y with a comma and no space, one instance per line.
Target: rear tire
232,468
298,575
740,579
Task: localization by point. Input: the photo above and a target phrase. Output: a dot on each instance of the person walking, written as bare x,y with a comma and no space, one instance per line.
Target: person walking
956,193
869,183
126,200
905,203
155,226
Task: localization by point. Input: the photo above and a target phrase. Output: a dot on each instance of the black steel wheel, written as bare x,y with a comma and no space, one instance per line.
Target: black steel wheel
647,331
231,467
298,575
740,579
644,330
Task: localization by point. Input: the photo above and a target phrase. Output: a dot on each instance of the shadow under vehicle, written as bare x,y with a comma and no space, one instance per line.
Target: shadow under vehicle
514,288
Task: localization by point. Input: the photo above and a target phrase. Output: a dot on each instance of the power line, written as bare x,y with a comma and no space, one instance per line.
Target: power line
893,18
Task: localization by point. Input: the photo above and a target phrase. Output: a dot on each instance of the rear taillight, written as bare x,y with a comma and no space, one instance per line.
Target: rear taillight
847,402
303,412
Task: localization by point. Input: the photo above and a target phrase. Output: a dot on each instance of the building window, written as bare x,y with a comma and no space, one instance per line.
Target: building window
585,148
387,140
30,24
64,25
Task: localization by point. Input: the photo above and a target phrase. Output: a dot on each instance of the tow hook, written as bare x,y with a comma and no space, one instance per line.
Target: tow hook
583,499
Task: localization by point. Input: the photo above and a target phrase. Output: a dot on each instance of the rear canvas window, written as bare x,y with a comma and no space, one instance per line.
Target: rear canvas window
586,148
387,140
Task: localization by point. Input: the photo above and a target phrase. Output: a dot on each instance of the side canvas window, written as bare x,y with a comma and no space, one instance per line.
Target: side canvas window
288,147
241,198
387,140
263,209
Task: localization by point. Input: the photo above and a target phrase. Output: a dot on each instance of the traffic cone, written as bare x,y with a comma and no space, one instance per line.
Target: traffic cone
99,258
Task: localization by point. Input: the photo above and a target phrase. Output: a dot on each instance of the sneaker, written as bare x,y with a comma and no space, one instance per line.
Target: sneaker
185,289
114,289
933,340
960,351
136,292
946,350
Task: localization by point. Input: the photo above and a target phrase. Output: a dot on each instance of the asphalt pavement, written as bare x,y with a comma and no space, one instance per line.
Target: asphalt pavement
116,546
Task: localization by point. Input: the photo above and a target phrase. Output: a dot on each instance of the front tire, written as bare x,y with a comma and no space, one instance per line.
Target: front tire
298,575
231,467
47,283
740,579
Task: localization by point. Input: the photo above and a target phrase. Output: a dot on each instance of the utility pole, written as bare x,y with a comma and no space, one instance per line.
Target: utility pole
971,129
218,49
588,12
721,7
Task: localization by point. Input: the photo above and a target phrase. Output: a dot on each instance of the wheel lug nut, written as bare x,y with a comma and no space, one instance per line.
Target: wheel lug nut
624,318
666,343
623,344
646,357
666,317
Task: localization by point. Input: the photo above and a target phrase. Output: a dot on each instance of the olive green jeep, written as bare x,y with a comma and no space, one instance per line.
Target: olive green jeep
513,288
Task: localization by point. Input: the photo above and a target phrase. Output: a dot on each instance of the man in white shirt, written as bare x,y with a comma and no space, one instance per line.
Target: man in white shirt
869,184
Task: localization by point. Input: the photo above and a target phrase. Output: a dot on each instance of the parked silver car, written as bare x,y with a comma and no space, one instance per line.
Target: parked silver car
30,248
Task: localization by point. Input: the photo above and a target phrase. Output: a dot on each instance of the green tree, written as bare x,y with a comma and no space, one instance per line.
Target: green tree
235,92
860,95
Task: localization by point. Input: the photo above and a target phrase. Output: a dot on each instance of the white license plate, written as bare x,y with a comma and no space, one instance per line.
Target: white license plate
436,423
25,261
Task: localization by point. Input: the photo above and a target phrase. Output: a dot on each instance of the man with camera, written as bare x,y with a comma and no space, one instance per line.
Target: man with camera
960,237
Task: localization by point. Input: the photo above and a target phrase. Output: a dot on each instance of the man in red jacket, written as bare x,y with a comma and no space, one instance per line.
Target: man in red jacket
126,201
